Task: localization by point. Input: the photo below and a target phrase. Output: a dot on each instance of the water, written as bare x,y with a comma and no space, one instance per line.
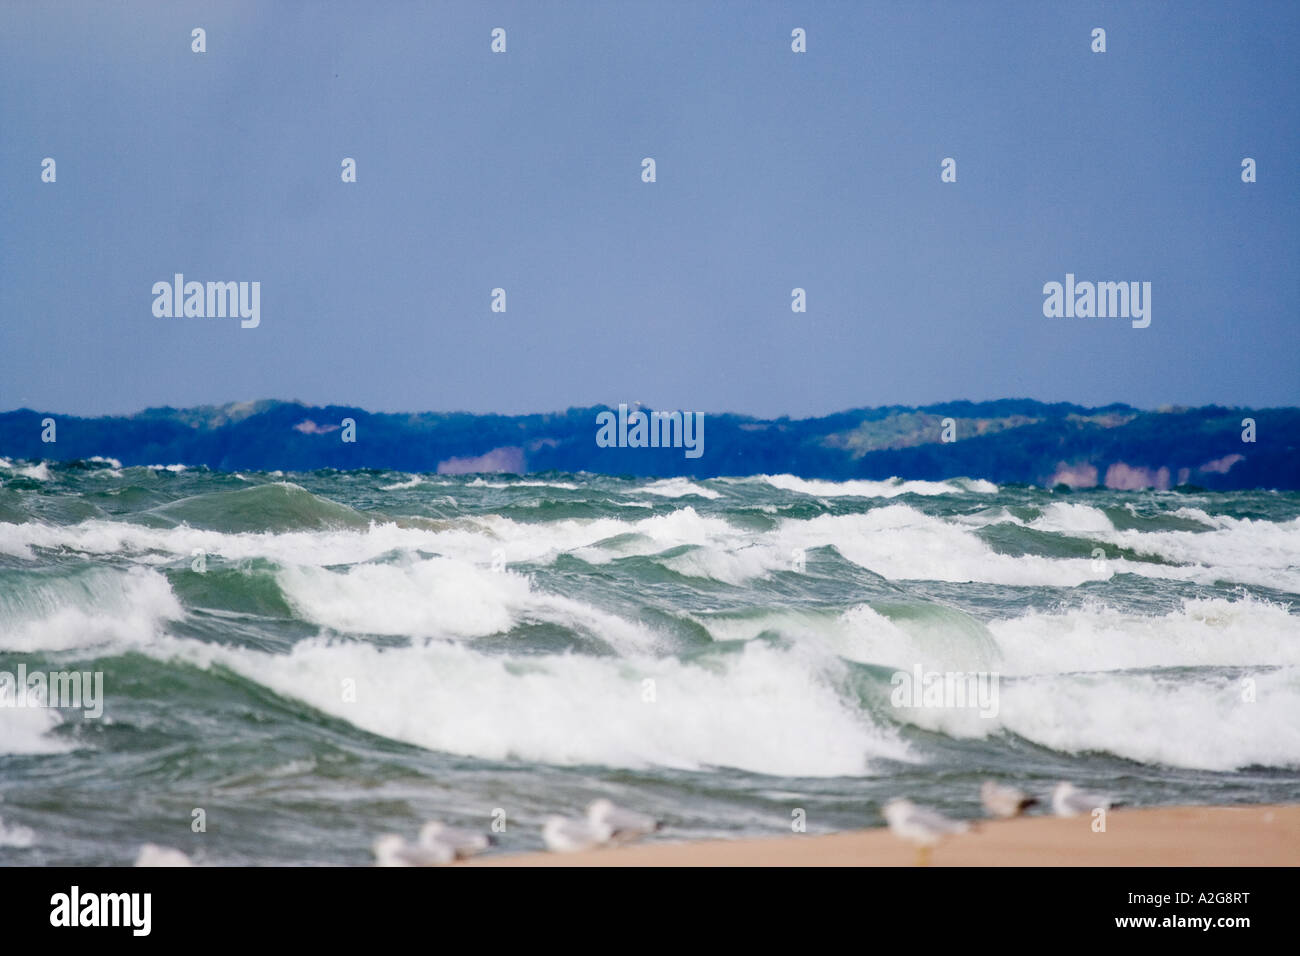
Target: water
362,651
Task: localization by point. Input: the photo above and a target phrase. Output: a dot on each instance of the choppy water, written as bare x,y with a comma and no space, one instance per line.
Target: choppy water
504,637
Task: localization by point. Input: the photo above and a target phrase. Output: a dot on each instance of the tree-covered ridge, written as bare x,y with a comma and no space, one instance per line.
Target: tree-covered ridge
1005,441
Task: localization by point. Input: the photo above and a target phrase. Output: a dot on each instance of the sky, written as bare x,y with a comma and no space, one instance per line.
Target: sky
522,170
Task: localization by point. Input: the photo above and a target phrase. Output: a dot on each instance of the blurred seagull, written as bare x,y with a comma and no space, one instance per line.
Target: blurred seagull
463,843
624,825
153,855
392,850
921,826
1001,801
1069,801
563,835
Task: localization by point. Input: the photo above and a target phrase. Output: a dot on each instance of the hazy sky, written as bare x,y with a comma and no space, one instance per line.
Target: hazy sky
522,170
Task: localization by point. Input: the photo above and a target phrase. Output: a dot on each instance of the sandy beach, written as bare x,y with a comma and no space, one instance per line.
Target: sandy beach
1158,836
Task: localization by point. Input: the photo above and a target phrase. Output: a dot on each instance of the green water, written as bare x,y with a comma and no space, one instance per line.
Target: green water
314,659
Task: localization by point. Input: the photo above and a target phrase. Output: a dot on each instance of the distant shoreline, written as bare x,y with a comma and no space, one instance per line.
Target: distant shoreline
1257,835
1007,442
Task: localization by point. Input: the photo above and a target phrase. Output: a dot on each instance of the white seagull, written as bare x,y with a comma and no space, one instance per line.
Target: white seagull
463,843
563,835
921,826
624,825
1003,801
1069,801
392,850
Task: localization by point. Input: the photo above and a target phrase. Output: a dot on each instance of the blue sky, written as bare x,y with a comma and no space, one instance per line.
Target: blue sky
522,170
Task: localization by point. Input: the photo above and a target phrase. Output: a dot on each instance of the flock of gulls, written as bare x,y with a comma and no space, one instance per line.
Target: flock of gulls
604,825
926,828
608,825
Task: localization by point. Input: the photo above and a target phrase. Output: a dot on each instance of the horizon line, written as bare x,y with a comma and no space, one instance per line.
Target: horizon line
1167,408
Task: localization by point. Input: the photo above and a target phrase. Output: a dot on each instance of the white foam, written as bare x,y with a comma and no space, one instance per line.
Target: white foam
445,598
986,517
900,543
432,598
891,488
1096,679
859,634
764,710
522,483
1201,633
1196,514
1073,519
37,472
730,565
678,488
472,539
16,836
26,730
163,545
1243,550
895,541
941,638
1203,724
100,606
